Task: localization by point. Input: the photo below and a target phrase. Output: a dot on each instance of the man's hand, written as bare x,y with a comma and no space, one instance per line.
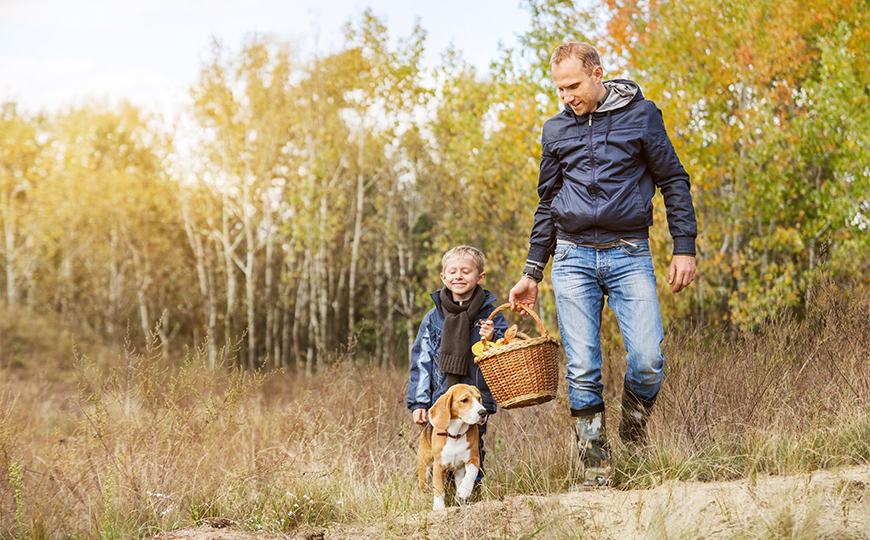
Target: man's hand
420,416
524,292
682,272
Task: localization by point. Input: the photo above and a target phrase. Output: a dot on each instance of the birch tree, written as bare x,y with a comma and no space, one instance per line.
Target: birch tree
245,104
22,168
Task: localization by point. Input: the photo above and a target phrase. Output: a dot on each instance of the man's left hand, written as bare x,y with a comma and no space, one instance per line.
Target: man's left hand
682,272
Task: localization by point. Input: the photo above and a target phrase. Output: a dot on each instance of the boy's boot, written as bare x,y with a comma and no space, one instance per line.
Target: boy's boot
594,454
635,413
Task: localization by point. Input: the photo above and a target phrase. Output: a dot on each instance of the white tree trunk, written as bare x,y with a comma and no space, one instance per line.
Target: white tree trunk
226,251
204,274
250,278
313,323
270,301
321,291
357,235
298,313
406,264
143,282
10,251
116,285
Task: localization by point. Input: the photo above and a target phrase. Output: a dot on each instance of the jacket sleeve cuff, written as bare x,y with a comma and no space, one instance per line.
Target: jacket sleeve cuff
684,245
539,254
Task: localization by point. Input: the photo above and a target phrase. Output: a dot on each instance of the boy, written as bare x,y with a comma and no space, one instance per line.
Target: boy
441,356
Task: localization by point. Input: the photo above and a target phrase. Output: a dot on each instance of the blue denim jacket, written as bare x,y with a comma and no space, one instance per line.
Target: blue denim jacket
426,384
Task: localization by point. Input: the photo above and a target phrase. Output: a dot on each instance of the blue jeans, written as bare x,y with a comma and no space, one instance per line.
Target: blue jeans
582,277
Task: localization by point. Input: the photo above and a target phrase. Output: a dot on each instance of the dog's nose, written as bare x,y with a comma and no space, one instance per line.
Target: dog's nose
483,416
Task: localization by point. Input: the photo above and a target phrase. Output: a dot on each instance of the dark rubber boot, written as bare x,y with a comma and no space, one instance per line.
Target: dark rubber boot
594,454
635,413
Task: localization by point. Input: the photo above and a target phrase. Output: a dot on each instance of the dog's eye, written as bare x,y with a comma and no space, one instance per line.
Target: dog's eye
464,400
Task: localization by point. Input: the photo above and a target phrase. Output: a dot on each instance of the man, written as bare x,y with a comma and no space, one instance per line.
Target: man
602,159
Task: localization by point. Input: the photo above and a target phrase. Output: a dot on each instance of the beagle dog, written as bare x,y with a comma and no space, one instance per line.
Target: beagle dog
450,442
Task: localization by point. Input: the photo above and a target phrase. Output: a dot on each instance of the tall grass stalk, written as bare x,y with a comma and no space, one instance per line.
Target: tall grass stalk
15,481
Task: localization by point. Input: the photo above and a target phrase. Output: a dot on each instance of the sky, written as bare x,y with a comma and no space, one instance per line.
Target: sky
55,54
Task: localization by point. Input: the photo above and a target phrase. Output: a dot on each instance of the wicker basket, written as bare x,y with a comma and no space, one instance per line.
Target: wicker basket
524,372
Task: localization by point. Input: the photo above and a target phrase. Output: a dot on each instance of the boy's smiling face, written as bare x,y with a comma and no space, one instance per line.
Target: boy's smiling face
461,275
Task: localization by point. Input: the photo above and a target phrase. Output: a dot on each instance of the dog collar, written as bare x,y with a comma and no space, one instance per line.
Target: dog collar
446,434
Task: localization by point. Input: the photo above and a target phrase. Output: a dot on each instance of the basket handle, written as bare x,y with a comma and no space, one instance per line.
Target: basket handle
528,310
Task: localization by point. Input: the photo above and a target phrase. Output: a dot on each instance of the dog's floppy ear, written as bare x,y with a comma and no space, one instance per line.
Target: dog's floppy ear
439,414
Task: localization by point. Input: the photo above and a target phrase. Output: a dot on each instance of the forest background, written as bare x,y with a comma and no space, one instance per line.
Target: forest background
311,211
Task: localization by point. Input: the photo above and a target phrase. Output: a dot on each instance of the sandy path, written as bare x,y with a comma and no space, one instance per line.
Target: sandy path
832,503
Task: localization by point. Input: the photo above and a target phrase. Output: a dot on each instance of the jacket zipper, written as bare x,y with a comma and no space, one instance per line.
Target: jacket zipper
594,182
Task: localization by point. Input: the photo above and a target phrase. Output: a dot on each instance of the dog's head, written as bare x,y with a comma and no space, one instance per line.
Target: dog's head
460,401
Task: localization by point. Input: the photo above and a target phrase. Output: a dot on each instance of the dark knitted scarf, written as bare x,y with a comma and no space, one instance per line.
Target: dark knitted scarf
457,330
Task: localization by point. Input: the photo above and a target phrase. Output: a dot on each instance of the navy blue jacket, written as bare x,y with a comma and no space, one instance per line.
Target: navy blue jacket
427,381
600,171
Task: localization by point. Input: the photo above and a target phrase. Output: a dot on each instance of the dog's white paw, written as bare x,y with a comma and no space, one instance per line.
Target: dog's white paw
438,504
463,491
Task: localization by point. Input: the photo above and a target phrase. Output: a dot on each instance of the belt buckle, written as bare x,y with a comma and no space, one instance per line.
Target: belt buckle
615,244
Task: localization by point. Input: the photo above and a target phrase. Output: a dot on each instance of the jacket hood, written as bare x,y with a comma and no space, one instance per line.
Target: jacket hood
620,92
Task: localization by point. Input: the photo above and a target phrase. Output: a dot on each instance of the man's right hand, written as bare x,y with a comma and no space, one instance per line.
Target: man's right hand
524,292
420,417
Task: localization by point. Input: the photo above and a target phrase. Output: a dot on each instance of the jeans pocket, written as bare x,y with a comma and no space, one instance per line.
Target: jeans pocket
560,254
639,249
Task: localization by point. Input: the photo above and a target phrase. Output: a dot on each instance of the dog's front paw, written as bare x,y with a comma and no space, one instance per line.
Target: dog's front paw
438,504
463,491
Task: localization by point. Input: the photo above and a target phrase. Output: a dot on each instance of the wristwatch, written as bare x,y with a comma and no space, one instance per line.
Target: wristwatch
532,271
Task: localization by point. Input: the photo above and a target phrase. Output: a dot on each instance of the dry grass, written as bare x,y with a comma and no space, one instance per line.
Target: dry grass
131,447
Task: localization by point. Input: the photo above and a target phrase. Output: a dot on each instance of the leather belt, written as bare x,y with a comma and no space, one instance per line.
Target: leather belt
616,243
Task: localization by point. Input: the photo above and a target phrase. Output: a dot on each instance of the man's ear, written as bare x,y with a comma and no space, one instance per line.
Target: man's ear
439,414
598,72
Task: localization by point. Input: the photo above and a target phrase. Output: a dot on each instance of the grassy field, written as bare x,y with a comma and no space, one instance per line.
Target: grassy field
105,442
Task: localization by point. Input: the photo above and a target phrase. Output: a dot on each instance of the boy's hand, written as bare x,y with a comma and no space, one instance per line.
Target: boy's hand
487,330
420,417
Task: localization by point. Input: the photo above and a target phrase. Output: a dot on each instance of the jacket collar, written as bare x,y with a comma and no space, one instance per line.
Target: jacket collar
620,92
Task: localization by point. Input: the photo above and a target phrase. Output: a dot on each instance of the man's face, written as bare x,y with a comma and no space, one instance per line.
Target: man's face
577,87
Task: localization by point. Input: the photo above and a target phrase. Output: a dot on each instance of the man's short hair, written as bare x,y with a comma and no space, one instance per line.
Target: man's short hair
584,52
466,252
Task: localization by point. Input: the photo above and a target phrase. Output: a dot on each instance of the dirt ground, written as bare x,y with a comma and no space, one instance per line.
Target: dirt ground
824,504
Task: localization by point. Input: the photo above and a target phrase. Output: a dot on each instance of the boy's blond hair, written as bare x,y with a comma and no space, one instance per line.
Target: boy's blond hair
466,252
